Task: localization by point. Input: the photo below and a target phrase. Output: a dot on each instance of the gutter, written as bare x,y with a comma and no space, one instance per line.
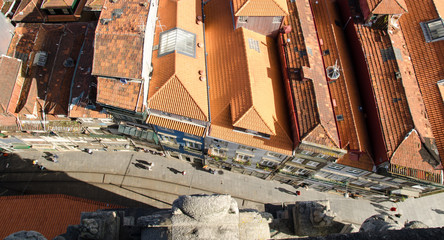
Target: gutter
206,64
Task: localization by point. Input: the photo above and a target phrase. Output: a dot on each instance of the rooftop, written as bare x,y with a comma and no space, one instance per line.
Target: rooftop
9,70
344,92
29,11
82,102
119,39
245,83
390,97
310,88
57,4
178,83
47,214
427,59
383,7
260,7
55,51
123,95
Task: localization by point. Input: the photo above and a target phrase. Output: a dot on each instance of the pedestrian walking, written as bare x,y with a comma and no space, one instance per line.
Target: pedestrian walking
35,162
183,173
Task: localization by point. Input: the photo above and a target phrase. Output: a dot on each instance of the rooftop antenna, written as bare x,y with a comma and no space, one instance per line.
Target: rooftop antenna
333,71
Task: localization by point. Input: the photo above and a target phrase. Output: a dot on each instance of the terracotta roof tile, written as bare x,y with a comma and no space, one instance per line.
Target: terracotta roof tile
93,5
119,40
344,92
412,154
387,6
9,70
57,4
357,160
29,11
320,136
178,84
50,84
82,102
260,7
112,92
48,214
229,78
439,6
311,95
176,125
427,59
393,109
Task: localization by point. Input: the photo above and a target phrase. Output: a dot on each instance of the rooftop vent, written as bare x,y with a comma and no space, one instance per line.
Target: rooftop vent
117,13
105,21
124,80
40,58
333,71
69,62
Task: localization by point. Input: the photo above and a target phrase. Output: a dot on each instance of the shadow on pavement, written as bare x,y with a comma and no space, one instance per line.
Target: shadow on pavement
439,211
175,171
285,191
20,177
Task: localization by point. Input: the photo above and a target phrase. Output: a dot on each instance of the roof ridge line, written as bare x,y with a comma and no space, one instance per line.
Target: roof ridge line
279,6
242,7
401,5
283,130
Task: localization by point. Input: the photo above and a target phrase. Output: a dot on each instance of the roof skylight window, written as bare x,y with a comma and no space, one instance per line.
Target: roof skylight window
178,40
433,30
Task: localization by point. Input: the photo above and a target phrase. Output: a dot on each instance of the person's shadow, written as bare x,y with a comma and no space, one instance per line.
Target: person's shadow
175,171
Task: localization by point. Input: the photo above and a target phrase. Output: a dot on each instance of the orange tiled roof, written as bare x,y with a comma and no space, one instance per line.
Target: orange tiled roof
344,91
320,136
48,214
412,154
9,70
231,75
260,7
393,109
29,11
361,161
176,125
93,5
84,86
112,92
312,96
57,4
427,59
47,85
439,6
387,6
176,85
119,39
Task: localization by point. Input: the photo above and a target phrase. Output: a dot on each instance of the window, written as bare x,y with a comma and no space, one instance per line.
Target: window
272,154
312,164
320,155
243,19
219,152
301,171
340,117
433,30
168,139
178,40
246,148
268,163
65,11
305,152
242,157
288,168
194,145
354,171
51,11
277,19
335,167
298,160
254,44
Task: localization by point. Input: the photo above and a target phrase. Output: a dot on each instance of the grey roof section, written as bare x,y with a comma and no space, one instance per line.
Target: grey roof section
6,33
